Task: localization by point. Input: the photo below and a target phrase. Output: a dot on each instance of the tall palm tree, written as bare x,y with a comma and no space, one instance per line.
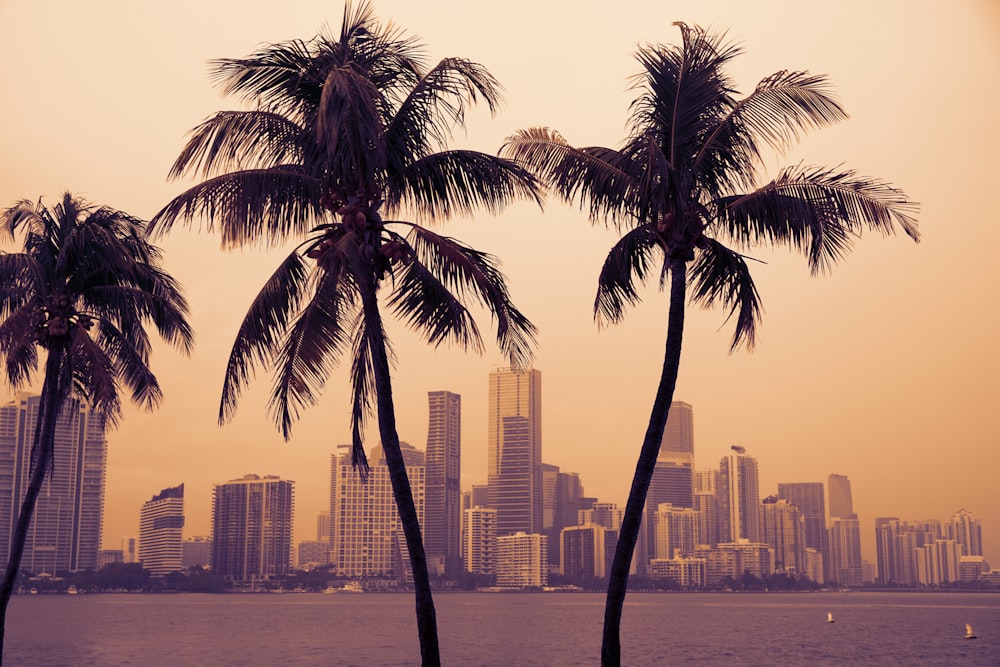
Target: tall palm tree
346,131
684,189
83,290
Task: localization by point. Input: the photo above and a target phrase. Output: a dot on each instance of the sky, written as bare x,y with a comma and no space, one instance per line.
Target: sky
884,370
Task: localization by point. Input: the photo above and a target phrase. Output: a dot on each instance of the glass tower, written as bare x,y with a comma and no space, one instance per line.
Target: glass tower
514,439
443,508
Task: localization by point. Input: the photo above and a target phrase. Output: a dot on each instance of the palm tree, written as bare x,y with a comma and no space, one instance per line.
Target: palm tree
684,189
83,290
345,131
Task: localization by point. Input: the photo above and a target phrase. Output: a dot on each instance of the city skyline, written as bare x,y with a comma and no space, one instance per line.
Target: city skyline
851,374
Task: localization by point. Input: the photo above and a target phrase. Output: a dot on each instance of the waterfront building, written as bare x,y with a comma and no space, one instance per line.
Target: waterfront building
522,560
809,497
65,530
972,568
784,531
739,497
130,549
752,557
685,571
967,531
196,551
479,540
109,556
366,535
252,528
845,551
583,552
707,505
514,456
161,532
443,464
313,553
814,564
323,526
676,530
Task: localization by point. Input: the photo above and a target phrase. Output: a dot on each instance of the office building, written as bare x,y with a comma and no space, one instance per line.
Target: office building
161,532
841,504
196,551
514,457
739,497
522,560
845,551
676,530
252,528
442,461
65,530
366,534
313,553
809,498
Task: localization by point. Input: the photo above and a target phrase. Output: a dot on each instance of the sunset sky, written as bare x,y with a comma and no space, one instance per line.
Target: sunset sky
885,370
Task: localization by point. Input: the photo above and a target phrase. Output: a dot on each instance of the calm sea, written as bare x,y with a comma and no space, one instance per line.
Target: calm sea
545,629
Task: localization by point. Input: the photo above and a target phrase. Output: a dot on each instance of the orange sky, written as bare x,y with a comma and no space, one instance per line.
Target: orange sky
884,371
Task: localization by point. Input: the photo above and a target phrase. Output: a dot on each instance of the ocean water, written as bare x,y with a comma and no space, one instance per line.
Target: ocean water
500,629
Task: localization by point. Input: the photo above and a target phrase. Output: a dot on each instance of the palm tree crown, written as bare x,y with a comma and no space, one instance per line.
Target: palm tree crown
684,190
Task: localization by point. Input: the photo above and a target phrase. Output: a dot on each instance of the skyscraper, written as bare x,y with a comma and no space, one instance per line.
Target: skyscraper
845,533
479,540
678,435
967,531
252,528
443,509
161,532
366,535
809,498
65,530
784,531
673,477
514,441
739,497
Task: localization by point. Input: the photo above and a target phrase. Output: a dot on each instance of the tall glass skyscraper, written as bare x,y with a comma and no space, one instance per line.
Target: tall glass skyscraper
252,528
443,502
161,532
673,476
809,498
514,439
845,533
65,531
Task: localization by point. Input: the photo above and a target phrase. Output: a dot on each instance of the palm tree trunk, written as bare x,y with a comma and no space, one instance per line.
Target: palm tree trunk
632,521
426,615
50,403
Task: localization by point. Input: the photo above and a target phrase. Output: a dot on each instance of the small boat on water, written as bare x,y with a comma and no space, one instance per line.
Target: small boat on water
969,634
72,590
829,617
349,587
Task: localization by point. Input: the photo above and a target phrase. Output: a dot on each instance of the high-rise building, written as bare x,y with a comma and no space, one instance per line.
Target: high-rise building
678,435
845,551
65,530
967,531
196,551
479,540
739,497
161,532
583,552
676,531
443,510
514,441
673,477
809,498
841,505
366,534
784,531
522,560
323,526
252,528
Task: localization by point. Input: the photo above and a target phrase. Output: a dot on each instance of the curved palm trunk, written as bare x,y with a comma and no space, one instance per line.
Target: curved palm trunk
50,404
629,532
426,615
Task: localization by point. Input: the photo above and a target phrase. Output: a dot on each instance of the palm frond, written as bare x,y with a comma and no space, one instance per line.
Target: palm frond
458,183
18,346
95,372
237,140
721,275
468,273
817,211
626,266
310,349
249,206
349,127
601,178
262,329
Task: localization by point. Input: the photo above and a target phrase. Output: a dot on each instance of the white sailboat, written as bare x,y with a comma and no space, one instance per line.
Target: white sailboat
829,617
969,634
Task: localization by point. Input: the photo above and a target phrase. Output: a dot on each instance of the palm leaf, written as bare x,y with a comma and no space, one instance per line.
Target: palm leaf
626,266
722,275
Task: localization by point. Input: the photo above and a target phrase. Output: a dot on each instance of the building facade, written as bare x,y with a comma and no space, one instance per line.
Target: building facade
514,456
366,535
65,530
479,540
809,497
739,497
443,501
252,528
522,560
161,532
